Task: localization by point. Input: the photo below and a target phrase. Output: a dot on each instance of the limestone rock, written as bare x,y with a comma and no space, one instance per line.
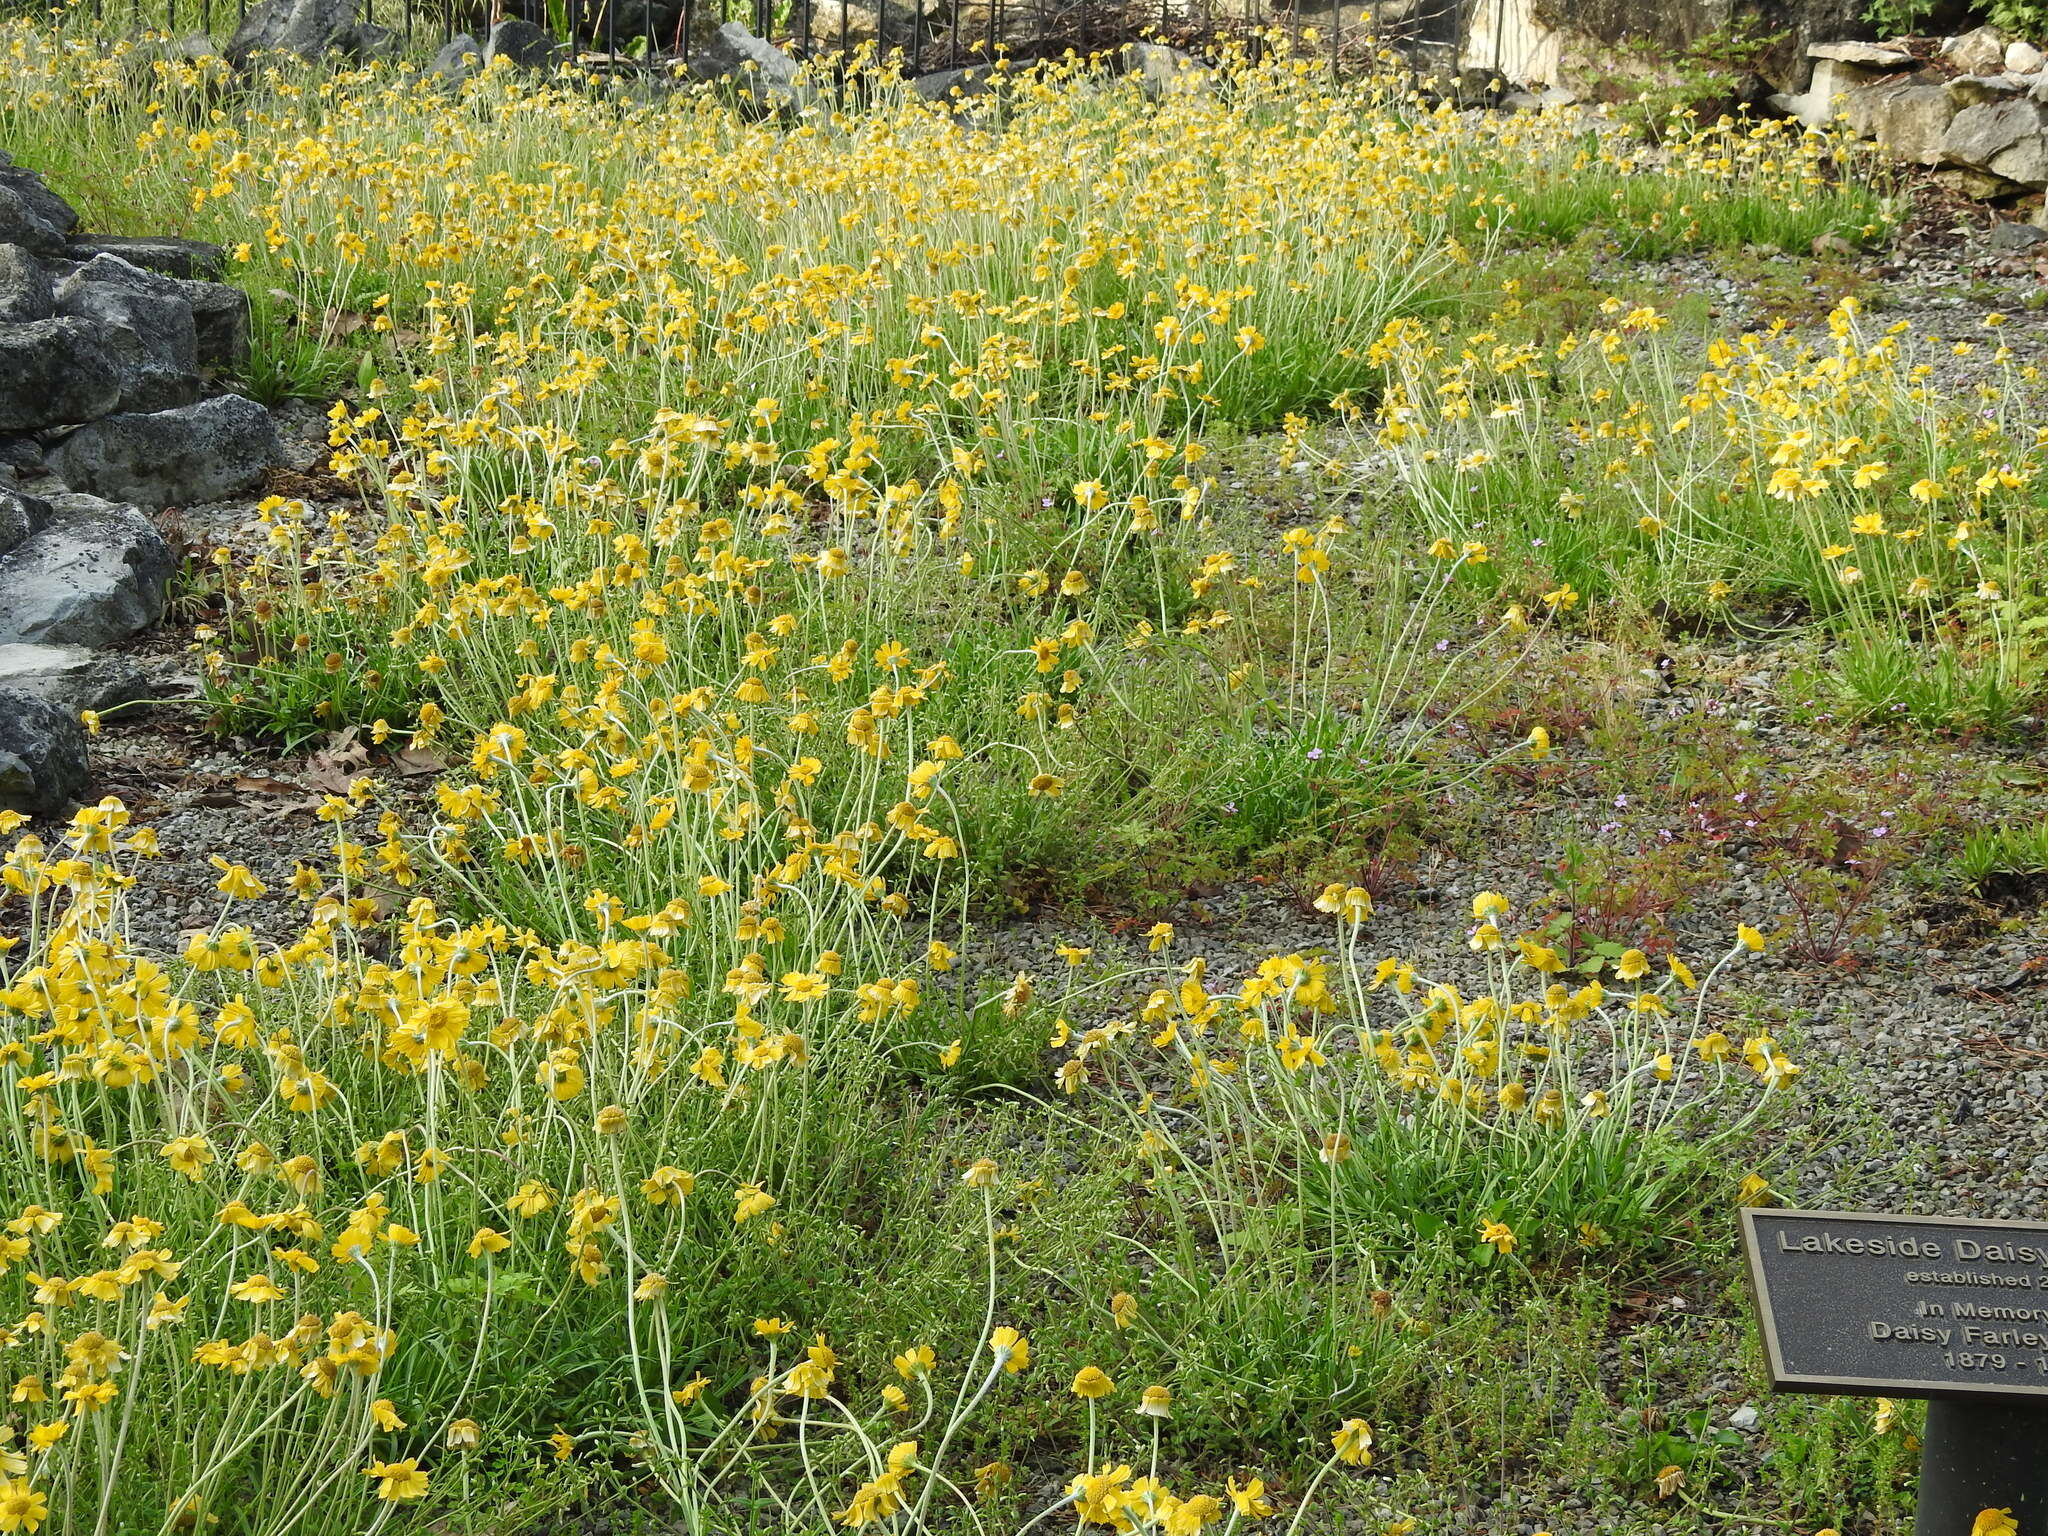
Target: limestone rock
24,287
197,453
154,253
148,326
1869,55
91,576
1833,82
845,24
2025,163
1977,52
307,28
54,372
1979,134
732,50
2023,58
955,84
837,24
1905,117
43,768
31,215
1976,90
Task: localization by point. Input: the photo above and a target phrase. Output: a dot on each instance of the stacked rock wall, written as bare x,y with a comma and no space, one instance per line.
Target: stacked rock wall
111,349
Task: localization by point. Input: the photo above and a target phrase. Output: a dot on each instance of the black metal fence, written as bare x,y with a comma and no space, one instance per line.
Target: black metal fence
923,35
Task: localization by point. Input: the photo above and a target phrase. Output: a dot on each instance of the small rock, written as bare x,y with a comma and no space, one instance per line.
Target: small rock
147,322
1976,52
24,287
2023,58
180,457
54,372
523,45
140,62
166,254
92,576
1744,1417
2008,236
42,754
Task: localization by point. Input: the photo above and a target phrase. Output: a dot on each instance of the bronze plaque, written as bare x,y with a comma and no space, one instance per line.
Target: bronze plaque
1900,1306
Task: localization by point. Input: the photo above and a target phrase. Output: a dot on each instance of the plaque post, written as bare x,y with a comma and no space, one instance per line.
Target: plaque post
1982,1455
1946,1308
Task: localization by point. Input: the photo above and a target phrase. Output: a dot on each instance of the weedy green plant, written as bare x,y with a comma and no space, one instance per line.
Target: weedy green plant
1996,862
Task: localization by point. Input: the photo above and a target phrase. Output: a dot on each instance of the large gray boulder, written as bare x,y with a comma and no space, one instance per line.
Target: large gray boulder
31,215
154,253
42,754
460,57
523,45
148,326
734,55
92,575
195,453
55,372
308,28
24,287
